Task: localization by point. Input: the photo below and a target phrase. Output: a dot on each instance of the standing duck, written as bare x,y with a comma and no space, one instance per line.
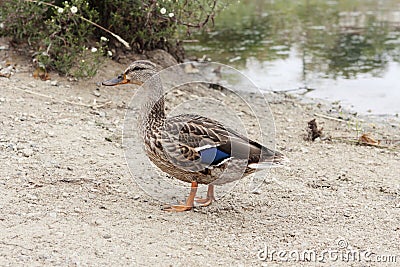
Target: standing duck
192,148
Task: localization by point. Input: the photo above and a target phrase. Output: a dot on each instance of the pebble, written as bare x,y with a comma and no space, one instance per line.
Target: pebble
27,152
304,150
31,197
54,83
101,114
11,146
96,93
256,191
107,236
190,68
6,72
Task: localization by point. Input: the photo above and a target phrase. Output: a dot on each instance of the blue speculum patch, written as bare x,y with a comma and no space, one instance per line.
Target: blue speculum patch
212,156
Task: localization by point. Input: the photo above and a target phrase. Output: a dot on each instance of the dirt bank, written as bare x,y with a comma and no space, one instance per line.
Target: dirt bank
67,197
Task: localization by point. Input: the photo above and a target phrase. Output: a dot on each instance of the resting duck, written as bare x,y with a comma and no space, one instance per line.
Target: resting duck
192,148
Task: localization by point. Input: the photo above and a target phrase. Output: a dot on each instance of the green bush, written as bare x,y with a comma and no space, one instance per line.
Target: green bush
64,40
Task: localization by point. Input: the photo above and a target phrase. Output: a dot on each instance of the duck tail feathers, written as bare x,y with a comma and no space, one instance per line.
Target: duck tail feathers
277,160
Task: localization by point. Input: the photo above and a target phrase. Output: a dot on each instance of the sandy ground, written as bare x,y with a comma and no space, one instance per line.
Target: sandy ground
67,197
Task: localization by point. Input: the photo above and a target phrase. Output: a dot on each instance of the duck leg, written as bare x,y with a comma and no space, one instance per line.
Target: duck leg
189,201
209,199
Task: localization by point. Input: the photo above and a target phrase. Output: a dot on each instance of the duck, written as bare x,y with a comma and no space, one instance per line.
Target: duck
189,147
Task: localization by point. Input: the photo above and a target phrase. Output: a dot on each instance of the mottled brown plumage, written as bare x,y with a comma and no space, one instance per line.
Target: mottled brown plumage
192,148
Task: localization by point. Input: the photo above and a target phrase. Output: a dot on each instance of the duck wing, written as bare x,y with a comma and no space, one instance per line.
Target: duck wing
207,143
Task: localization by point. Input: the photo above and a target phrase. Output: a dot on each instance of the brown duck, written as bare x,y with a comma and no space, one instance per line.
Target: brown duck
193,148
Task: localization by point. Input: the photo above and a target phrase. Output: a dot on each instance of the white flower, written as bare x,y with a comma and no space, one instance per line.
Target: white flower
1,25
171,15
163,11
109,53
104,39
94,50
74,9
83,61
60,10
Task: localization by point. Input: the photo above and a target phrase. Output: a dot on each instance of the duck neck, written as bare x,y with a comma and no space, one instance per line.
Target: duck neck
155,105
157,113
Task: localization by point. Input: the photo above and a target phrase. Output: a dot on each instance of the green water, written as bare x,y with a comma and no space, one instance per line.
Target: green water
345,50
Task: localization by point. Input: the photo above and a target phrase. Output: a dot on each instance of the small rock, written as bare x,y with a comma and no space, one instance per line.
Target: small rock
27,152
6,72
304,150
11,146
256,191
31,197
2,99
107,236
136,197
96,93
190,69
50,133
54,83
97,222
19,146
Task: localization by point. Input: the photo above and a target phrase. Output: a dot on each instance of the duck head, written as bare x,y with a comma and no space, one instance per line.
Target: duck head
137,73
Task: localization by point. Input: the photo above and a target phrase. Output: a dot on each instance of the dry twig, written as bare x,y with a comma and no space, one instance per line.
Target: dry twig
94,106
333,118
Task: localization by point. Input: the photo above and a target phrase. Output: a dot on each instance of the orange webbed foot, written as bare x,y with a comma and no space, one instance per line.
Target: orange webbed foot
178,208
189,202
204,202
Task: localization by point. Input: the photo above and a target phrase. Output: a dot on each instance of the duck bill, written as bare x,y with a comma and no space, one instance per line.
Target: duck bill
120,80
116,81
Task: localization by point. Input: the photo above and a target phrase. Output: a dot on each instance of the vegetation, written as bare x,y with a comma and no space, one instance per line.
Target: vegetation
63,37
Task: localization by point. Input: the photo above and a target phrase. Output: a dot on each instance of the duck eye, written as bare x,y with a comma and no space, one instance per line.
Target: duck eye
138,68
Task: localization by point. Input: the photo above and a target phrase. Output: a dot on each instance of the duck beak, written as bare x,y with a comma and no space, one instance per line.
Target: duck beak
121,79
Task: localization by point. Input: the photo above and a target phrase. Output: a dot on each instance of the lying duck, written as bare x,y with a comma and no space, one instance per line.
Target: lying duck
193,148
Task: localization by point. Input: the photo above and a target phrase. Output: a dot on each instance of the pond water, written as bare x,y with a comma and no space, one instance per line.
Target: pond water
348,51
